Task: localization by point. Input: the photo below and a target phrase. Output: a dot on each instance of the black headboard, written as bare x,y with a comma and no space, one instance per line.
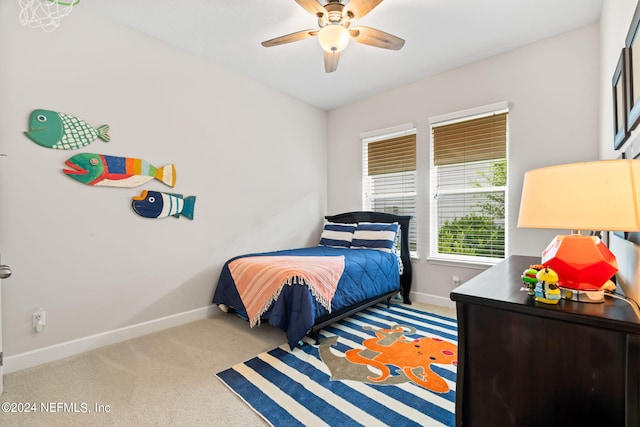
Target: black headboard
403,220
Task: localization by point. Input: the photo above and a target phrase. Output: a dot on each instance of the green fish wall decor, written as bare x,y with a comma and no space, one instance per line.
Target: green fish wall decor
62,131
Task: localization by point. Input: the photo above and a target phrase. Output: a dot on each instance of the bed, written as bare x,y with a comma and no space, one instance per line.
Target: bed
363,274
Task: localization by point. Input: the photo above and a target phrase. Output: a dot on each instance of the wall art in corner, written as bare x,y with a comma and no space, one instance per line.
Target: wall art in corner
62,131
155,204
632,71
112,171
619,88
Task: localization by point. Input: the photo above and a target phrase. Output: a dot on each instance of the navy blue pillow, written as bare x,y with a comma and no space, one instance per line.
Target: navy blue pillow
373,235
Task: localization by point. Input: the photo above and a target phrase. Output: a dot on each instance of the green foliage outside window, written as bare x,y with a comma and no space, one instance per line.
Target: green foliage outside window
481,232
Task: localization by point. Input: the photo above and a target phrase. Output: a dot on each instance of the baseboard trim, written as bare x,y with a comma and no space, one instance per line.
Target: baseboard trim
29,359
432,299
54,352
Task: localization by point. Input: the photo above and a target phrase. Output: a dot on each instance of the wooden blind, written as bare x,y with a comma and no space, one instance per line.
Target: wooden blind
392,155
484,138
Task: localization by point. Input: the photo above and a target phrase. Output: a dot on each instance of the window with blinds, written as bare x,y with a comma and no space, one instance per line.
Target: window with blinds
469,188
389,177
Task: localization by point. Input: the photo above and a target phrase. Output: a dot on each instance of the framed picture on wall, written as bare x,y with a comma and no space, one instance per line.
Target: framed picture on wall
633,72
620,128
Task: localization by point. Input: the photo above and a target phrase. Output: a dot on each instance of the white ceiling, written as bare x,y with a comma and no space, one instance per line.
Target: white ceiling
440,35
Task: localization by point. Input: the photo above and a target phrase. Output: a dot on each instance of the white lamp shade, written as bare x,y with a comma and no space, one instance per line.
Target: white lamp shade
333,38
602,195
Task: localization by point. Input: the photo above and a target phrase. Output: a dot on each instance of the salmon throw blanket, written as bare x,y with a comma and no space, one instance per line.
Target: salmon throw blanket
260,279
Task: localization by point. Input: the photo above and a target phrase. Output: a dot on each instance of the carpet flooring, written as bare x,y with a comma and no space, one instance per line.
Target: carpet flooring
161,379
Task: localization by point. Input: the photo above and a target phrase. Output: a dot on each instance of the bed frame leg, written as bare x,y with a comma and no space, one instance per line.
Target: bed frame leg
315,335
405,297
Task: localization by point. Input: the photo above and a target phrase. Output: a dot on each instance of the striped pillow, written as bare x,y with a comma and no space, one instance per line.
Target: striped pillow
373,235
337,235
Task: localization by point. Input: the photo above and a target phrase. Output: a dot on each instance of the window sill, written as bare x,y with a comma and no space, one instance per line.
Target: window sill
480,265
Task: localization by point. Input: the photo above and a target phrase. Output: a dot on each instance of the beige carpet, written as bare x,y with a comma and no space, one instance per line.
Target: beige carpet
162,379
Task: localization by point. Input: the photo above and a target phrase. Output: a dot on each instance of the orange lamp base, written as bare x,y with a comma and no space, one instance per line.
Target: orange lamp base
582,262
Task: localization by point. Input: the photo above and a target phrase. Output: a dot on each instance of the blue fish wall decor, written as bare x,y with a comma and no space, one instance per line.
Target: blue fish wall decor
155,204
62,131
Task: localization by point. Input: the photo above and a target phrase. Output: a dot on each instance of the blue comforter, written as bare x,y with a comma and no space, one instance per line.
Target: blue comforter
367,273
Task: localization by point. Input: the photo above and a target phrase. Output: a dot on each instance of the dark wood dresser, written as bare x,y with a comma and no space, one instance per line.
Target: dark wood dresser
524,363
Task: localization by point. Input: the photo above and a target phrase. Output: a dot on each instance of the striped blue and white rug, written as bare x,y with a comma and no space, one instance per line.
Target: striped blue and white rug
289,388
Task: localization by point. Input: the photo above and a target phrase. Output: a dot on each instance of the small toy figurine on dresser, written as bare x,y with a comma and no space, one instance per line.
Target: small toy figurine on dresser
529,278
547,290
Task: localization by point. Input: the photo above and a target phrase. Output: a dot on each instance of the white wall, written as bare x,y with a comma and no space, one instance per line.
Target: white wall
551,87
615,21
255,159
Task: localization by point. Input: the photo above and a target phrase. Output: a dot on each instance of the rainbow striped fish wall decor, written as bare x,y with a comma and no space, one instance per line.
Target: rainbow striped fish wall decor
111,171
155,204
62,131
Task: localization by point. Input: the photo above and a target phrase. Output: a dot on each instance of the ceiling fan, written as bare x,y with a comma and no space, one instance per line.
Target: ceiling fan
334,20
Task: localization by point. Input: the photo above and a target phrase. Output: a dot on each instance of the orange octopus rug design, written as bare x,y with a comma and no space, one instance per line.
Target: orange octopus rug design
383,366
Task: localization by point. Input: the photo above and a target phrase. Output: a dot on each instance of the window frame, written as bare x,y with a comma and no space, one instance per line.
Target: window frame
367,138
434,254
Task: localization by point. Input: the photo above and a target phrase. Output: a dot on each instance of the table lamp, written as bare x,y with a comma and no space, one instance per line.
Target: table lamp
582,197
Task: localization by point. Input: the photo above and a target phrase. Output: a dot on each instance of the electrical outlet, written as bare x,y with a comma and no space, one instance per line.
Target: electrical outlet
455,281
39,319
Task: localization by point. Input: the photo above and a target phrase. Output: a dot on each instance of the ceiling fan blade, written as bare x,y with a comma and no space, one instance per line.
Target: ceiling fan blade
293,37
313,7
359,8
331,61
377,38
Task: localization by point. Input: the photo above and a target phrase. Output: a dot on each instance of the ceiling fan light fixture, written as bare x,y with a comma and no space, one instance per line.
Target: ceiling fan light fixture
333,38
335,31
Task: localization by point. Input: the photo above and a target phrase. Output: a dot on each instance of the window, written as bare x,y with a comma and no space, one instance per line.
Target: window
389,174
469,187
